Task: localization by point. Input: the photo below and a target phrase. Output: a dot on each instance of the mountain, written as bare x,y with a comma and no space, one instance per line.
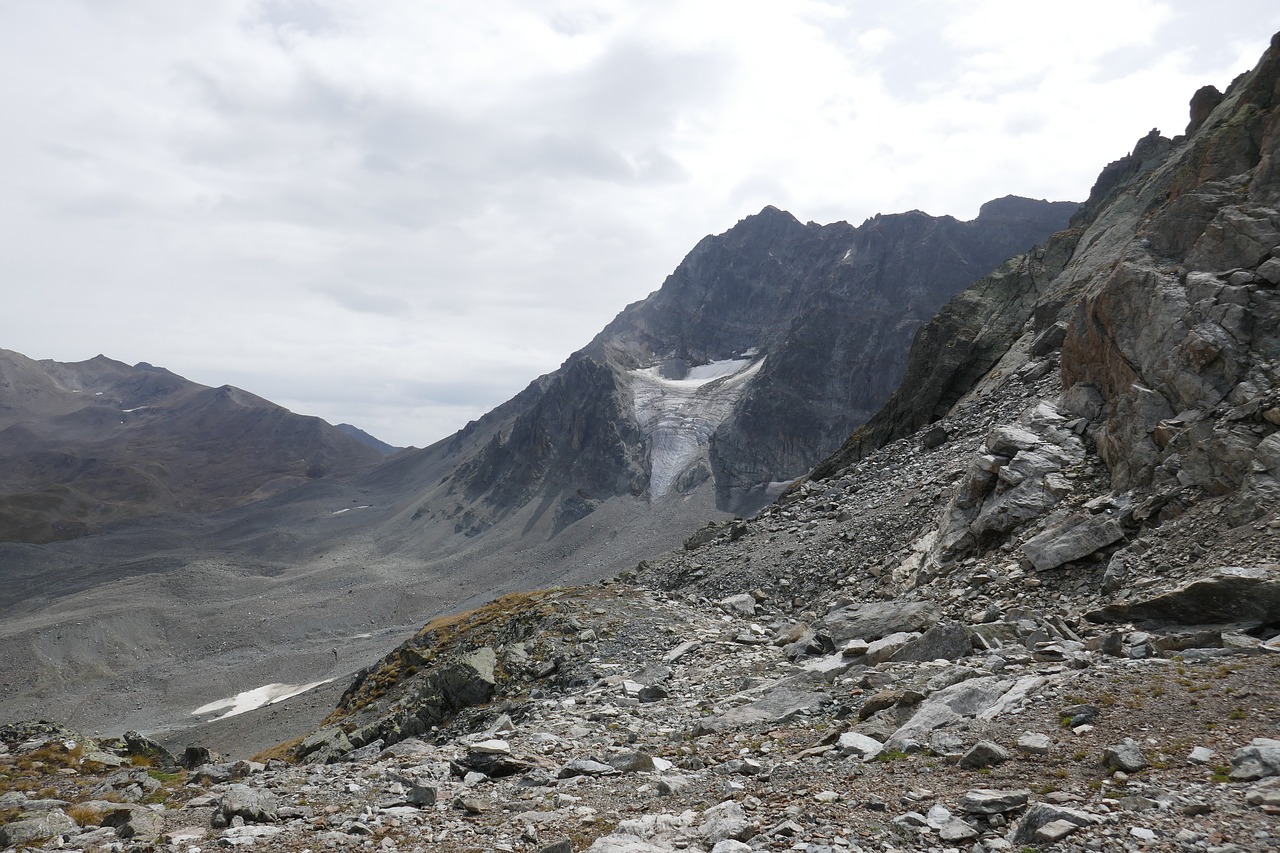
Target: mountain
91,443
754,360
1033,603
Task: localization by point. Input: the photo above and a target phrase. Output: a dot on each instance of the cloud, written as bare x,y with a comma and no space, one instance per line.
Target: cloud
397,214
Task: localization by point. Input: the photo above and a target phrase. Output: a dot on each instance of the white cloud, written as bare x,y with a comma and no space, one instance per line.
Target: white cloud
397,214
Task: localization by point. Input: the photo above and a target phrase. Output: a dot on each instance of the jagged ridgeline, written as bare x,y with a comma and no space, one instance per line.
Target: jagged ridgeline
755,359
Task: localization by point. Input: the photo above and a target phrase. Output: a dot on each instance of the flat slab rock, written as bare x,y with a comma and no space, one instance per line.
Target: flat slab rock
1232,594
777,706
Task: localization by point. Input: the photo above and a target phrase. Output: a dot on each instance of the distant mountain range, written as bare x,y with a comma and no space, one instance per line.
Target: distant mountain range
86,444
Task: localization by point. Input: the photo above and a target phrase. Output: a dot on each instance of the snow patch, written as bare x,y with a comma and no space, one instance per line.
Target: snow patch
348,509
678,416
267,694
138,409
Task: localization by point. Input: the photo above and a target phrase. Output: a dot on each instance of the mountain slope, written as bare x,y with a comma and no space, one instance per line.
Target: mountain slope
758,355
86,444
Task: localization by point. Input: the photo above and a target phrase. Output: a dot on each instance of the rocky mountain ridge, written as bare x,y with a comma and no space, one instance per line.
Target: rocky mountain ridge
86,444
1034,604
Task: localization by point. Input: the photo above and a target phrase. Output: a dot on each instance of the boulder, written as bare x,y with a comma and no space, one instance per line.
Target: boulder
873,620
727,820
134,822
1042,815
1125,756
1232,594
255,805
988,801
1259,760
37,828
776,706
984,753
948,641
1071,539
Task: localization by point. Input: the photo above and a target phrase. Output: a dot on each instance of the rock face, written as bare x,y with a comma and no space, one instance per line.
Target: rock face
96,441
751,363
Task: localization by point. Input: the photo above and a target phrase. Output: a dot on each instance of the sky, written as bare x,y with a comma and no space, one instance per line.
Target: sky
397,214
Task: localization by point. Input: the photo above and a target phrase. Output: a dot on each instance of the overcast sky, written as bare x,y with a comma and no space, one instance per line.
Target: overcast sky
398,213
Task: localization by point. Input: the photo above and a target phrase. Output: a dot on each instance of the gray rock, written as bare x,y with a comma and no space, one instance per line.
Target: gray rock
984,753
1270,270
153,753
743,605
1266,793
726,820
564,845
988,801
947,641
1258,760
777,706
1232,594
631,762
886,647
255,805
134,822
1034,743
1042,815
873,620
956,830
859,745
1071,539
585,767
1125,756
966,699
38,828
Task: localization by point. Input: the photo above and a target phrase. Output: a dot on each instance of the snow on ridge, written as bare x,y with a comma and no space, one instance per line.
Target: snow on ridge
678,416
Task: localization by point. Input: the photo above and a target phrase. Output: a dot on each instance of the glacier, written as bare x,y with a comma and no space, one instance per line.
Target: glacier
679,416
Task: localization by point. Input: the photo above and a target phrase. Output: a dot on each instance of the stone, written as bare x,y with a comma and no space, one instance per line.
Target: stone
858,745
729,845
873,620
743,605
255,805
726,820
151,752
945,641
1054,830
564,845
585,767
1258,760
989,801
956,830
1125,756
1270,271
1041,815
134,822
966,699
778,705
984,753
886,647
1266,793
194,756
38,828
1034,743
1071,539
631,762
1231,594
1201,755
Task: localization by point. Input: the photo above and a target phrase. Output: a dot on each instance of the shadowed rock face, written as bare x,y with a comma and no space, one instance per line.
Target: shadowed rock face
819,319
97,441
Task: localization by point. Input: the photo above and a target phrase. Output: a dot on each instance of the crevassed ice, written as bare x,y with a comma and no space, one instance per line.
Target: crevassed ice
678,416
